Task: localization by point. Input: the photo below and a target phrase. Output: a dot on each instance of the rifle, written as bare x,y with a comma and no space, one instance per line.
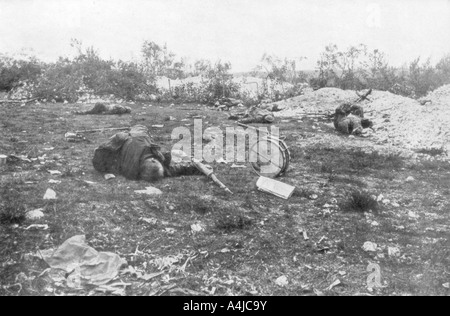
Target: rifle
103,129
210,174
362,97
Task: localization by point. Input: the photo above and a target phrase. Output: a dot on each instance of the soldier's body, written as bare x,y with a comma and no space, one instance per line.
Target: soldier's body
349,119
107,109
134,155
254,115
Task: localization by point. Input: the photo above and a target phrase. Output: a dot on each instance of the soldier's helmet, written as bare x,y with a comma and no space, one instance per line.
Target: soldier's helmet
151,170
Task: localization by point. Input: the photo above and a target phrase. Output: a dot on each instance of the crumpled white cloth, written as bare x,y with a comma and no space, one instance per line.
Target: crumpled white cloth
94,267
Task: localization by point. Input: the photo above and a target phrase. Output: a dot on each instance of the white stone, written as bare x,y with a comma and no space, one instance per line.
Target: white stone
370,246
149,191
197,228
35,214
50,195
282,281
393,252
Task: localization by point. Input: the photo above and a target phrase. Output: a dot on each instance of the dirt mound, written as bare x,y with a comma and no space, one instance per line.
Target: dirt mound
440,95
398,121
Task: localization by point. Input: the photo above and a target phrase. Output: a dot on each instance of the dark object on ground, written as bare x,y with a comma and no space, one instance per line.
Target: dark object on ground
101,108
349,119
134,155
253,115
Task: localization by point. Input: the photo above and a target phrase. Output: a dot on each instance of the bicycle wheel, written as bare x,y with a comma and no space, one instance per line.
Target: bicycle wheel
269,157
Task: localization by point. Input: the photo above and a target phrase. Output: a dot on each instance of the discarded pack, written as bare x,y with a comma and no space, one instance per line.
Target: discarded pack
275,187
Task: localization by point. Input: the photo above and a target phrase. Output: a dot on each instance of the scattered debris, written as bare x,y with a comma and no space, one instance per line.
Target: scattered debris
393,252
282,281
53,172
446,285
305,235
151,221
12,158
197,228
38,226
166,262
149,276
54,181
335,283
3,159
35,214
238,166
109,176
50,195
149,191
410,179
275,187
74,137
370,246
158,125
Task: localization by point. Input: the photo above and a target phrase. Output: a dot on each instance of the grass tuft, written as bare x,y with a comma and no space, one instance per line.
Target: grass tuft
231,223
12,210
360,202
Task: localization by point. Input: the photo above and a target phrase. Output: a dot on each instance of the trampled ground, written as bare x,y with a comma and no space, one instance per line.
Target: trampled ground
249,243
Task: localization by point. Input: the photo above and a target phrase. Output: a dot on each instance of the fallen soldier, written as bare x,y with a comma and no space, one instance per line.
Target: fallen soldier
101,108
134,155
349,119
254,115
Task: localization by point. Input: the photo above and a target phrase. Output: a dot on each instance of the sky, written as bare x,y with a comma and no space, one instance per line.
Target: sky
236,31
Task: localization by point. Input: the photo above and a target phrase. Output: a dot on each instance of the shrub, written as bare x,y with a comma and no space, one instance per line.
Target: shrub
15,71
58,82
357,68
67,79
231,223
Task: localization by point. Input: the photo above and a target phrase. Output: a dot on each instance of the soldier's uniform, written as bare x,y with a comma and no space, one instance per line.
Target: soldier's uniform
349,119
101,108
254,115
125,153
